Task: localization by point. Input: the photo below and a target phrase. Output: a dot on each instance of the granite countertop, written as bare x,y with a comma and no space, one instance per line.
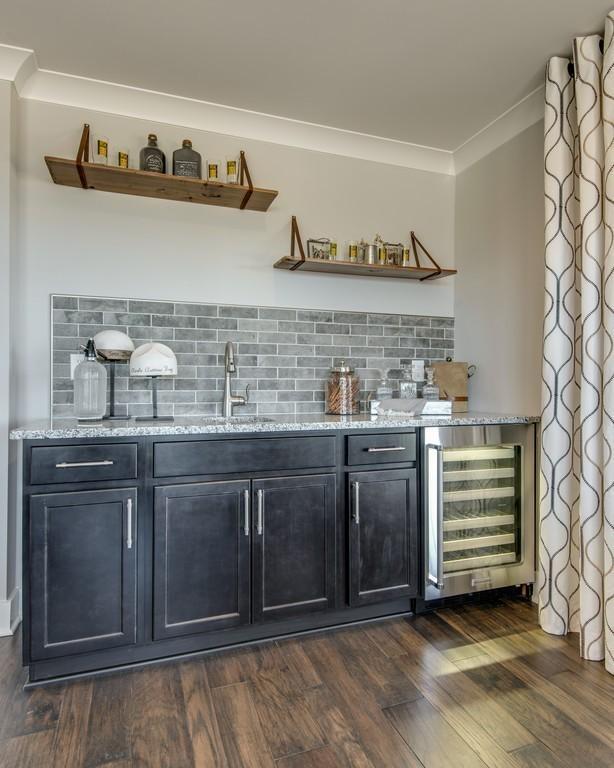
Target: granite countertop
54,429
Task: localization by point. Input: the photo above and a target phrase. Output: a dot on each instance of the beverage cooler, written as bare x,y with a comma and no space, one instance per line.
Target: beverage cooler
479,497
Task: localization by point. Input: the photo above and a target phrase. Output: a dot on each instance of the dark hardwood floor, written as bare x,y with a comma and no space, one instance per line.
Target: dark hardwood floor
468,687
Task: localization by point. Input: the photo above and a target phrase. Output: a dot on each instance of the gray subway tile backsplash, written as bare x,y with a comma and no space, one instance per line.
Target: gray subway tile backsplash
283,354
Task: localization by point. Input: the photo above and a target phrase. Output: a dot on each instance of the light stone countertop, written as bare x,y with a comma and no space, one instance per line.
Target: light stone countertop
194,425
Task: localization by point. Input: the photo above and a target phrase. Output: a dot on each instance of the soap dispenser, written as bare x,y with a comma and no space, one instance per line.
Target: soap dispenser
90,386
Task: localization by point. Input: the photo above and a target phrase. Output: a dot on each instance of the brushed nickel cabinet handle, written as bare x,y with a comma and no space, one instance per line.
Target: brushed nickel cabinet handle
356,508
246,523
129,524
386,450
260,521
70,464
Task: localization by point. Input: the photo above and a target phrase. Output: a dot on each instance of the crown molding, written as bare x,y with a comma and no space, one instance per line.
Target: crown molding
20,66
515,120
16,64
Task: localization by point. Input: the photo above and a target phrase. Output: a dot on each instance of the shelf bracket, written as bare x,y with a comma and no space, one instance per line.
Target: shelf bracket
244,172
83,154
295,236
415,244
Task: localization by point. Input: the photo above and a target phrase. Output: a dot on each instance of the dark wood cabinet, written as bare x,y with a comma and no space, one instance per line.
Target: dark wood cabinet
82,549
383,535
201,557
294,546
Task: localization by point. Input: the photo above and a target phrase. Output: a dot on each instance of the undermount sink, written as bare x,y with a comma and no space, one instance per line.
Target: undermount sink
235,420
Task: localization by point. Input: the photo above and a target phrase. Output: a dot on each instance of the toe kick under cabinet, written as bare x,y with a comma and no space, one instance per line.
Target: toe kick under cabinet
150,547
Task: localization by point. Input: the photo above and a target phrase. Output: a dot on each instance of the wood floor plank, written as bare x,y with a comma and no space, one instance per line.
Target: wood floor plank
31,750
430,736
158,724
71,731
536,756
32,710
108,736
342,736
513,659
241,665
324,757
201,718
485,712
294,654
375,671
568,741
240,729
441,636
379,739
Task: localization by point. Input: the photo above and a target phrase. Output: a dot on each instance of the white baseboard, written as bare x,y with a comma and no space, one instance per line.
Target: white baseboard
10,613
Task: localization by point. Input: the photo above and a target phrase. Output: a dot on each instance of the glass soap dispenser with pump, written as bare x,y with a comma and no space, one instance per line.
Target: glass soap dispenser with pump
90,386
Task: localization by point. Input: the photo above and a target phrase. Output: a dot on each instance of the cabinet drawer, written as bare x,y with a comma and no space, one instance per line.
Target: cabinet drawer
83,463
381,449
210,457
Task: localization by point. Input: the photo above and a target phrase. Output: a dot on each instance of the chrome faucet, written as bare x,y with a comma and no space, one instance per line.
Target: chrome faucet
231,400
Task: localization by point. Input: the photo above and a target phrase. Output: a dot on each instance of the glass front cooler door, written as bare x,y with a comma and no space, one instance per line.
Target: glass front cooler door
481,507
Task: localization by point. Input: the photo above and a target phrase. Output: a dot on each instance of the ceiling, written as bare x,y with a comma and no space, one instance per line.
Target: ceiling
427,72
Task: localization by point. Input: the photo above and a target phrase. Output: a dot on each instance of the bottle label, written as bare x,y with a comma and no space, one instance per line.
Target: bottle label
102,148
333,250
153,162
231,167
122,159
353,252
212,172
187,168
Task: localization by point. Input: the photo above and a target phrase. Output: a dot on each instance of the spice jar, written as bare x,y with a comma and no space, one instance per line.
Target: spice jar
343,391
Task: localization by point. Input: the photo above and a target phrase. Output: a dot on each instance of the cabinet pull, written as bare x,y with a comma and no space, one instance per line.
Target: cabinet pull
71,464
246,524
129,524
260,521
386,450
356,508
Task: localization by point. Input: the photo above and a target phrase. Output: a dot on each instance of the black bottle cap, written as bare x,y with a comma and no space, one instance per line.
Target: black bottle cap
90,350
187,142
152,137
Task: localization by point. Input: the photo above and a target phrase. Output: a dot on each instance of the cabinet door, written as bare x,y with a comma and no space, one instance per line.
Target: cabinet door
201,557
83,571
383,535
294,546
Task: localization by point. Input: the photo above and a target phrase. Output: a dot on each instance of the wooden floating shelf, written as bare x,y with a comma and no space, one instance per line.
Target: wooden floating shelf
370,270
339,267
128,181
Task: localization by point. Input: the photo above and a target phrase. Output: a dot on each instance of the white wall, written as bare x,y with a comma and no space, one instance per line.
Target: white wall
72,241
8,511
500,286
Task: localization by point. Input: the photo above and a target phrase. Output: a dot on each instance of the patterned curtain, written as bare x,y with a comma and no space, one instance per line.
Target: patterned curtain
576,586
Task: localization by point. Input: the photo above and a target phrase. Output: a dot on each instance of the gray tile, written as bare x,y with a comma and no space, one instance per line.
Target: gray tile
195,359
276,384
378,319
312,362
442,322
125,318
198,310
277,361
195,334
294,349
229,311
277,338
103,305
76,316
225,323
173,321
195,384
296,373
257,349
332,328
343,340
65,329
294,397
366,330
350,317
249,324
275,408
314,338
237,336
315,315
383,341
65,302
296,326
330,351
146,333
151,307
269,313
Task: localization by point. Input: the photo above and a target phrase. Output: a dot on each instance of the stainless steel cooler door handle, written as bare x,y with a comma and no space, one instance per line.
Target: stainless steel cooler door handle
434,505
356,507
260,521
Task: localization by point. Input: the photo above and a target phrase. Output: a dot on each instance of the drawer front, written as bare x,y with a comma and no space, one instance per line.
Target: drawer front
381,449
83,463
211,457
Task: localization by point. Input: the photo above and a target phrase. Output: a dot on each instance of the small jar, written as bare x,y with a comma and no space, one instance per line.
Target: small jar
343,391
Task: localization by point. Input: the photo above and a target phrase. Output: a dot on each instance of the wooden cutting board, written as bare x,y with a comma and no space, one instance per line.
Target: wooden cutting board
452,378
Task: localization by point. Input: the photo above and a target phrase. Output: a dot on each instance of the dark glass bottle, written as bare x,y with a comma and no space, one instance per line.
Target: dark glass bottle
186,161
152,157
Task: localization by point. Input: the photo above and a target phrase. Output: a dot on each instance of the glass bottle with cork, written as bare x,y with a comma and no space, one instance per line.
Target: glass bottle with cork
152,158
187,161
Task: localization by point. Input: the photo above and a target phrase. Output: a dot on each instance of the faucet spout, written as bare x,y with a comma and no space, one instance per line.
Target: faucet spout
230,400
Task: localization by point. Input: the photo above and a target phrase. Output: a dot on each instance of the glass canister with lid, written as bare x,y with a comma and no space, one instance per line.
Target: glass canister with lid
343,391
